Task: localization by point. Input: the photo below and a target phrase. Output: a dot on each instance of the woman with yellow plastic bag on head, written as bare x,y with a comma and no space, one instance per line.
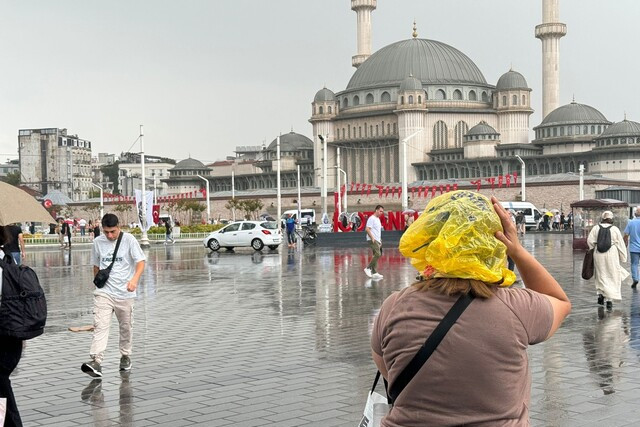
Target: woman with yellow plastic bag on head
453,345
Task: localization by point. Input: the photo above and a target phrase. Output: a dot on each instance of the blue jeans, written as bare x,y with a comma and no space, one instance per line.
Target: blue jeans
17,259
635,257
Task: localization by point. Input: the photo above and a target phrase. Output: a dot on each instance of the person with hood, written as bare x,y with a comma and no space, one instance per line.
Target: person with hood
609,251
479,373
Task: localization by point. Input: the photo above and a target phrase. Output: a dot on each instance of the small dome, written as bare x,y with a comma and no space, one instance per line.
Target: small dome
512,80
622,129
324,95
292,142
574,113
410,83
189,164
482,128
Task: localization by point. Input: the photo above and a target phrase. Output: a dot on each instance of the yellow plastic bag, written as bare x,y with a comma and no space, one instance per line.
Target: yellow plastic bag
455,237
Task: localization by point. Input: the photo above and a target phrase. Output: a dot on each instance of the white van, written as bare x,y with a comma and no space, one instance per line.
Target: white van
307,216
529,211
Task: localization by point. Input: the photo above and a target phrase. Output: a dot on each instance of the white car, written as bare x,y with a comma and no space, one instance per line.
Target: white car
255,234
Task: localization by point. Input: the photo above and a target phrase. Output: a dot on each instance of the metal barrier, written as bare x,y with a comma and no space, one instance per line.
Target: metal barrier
52,239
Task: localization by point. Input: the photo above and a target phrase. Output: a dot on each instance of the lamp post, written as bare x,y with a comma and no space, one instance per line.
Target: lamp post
279,195
208,202
341,200
233,194
299,202
523,180
101,199
324,173
405,199
581,181
144,240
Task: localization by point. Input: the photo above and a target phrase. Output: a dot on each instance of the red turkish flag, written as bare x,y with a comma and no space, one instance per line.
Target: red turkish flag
380,190
433,191
455,187
399,192
413,192
156,214
491,181
477,183
393,191
351,189
500,178
508,179
515,178
369,190
448,188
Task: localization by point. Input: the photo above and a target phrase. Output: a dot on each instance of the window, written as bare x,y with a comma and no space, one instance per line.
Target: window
248,226
472,95
555,131
440,95
562,131
585,130
457,95
485,97
402,100
599,128
440,135
356,100
524,99
419,99
369,99
319,110
385,97
504,100
329,108
232,227
514,100
345,103
410,99
460,130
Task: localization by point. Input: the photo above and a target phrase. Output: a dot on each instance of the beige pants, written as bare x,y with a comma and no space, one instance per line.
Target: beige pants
103,308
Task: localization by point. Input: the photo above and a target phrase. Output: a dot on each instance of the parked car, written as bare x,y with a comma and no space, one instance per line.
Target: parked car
307,216
254,234
529,211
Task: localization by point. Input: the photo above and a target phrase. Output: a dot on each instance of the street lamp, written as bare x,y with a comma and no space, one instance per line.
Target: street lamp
324,173
405,199
581,181
523,180
338,172
144,240
208,202
101,199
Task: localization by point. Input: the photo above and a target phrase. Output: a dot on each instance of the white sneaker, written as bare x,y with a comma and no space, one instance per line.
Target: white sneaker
377,276
367,271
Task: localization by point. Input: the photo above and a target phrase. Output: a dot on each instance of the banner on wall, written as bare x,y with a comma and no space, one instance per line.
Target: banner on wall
148,201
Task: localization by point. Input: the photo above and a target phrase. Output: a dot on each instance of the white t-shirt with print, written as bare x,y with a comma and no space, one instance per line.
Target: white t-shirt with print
374,224
129,254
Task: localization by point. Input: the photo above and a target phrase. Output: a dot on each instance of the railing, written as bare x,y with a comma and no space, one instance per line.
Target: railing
52,239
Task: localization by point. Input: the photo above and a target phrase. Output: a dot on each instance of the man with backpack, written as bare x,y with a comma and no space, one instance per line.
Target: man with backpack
119,260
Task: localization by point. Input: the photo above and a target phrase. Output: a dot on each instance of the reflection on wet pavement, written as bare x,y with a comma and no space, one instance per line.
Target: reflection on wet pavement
282,338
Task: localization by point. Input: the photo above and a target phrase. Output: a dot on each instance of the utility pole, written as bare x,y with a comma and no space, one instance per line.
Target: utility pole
144,240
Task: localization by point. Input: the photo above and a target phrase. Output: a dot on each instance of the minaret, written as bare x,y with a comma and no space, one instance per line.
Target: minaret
363,8
550,32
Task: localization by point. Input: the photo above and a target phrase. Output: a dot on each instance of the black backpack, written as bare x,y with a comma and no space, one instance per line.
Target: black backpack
604,239
23,307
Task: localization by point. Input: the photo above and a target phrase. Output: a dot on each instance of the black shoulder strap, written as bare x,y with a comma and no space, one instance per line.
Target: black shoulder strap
115,252
429,346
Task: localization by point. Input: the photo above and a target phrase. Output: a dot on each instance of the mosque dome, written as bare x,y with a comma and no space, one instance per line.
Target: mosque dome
410,83
189,164
292,142
574,113
512,80
624,128
482,128
429,61
324,95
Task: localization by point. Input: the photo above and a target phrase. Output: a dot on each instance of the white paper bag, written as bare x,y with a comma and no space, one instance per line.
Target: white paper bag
376,408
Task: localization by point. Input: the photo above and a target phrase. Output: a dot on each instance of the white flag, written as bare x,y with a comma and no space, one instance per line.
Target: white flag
148,222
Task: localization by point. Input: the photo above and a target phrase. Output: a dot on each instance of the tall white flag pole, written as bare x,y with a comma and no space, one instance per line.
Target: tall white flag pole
144,240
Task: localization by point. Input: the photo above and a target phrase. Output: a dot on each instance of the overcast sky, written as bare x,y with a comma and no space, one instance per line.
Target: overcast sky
207,76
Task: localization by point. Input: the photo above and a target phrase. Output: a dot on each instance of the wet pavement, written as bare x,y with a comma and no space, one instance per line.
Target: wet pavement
282,338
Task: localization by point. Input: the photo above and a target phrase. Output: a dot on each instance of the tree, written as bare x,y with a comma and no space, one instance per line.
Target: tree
12,178
251,208
233,205
111,172
123,209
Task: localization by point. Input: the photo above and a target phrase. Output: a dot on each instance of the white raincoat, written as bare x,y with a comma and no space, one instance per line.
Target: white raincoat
608,273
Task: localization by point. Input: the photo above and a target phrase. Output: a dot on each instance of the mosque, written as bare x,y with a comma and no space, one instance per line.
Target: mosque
455,124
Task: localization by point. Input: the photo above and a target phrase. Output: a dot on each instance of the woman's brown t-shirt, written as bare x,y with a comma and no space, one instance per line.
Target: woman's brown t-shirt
479,374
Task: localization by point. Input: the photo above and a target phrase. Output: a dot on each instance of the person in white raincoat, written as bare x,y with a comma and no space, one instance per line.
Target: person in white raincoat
608,273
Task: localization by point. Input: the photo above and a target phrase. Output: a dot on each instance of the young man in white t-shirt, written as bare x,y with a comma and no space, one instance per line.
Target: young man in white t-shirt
117,295
374,237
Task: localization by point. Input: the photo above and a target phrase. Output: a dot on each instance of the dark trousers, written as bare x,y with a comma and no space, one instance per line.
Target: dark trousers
291,237
10,353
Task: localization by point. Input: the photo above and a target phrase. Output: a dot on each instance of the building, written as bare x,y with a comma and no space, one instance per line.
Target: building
156,169
50,159
456,123
10,167
184,177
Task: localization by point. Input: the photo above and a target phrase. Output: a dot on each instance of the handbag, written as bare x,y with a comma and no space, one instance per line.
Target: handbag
102,275
375,410
587,265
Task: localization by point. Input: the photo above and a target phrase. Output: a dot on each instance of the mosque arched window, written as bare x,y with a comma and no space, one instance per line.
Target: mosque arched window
504,100
514,100
593,129
472,95
410,99
599,129
524,99
485,97
329,108
440,135
345,103
320,110
457,95
585,130
385,97
356,100
314,110
460,130
402,100
419,99
369,99
440,95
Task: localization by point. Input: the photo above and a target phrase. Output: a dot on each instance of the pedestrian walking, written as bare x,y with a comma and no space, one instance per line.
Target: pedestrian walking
168,231
632,241
10,354
556,222
117,295
374,237
291,231
520,223
90,226
609,251
15,243
478,374
83,226
66,233
96,228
